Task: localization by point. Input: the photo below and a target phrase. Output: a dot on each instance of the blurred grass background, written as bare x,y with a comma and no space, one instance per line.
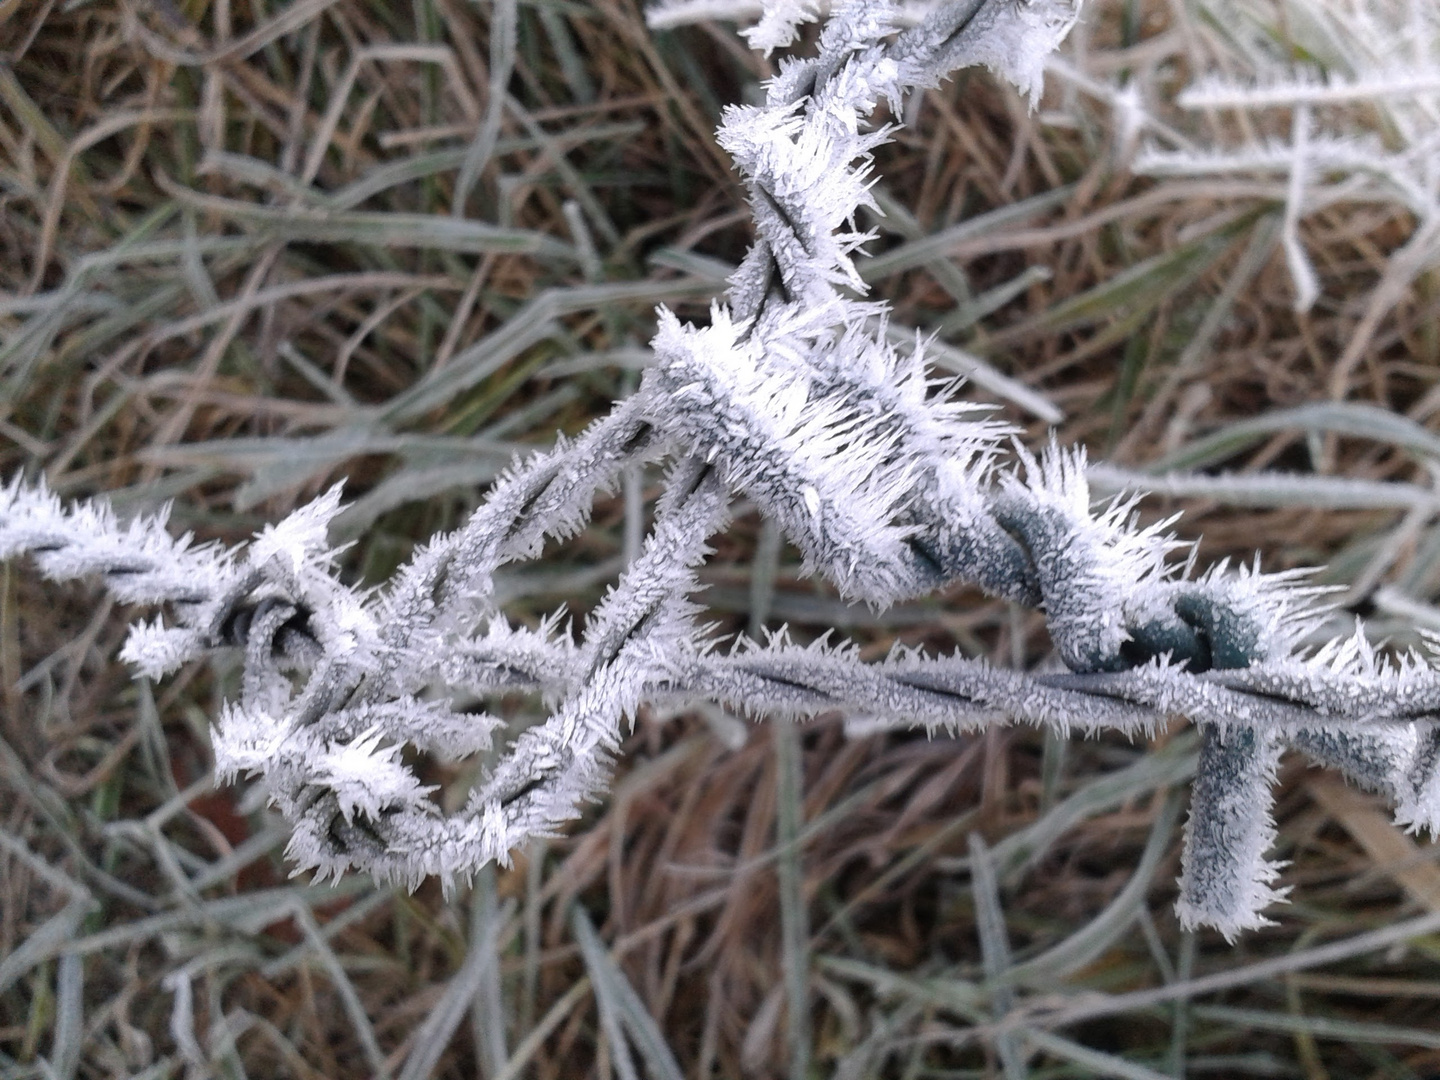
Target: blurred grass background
250,247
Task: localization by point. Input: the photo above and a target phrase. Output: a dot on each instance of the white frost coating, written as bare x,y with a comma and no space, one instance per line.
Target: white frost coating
301,538
1109,566
247,740
814,185
1225,879
1374,65
792,395
780,23
1015,40
828,468
1307,86
155,650
142,562
366,777
668,14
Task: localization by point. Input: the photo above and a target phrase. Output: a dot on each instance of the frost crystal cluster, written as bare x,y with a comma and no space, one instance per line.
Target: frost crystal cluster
792,397
1370,66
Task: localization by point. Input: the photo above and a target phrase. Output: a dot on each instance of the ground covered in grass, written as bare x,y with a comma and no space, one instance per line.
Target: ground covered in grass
250,247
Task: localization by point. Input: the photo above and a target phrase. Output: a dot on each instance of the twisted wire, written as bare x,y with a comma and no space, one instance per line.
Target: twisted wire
791,398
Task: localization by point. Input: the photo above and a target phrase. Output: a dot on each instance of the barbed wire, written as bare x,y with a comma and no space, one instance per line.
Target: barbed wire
792,398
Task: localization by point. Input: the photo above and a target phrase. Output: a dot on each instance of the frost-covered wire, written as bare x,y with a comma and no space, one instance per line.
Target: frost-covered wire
793,396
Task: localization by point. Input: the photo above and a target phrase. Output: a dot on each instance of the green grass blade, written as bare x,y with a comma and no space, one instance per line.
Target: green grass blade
1091,940
461,992
1093,1062
1354,419
994,953
613,992
794,916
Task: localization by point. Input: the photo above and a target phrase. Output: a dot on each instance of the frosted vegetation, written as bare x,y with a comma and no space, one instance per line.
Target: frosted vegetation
793,395
1373,67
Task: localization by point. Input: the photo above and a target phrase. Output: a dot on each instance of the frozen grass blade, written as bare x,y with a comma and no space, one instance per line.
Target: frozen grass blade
1339,418
1181,1015
558,1013
349,998
794,915
245,915
502,64
1133,292
1093,1062
1025,848
430,232
49,939
1321,1026
1091,940
69,1017
629,1020
1268,489
968,314
534,322
1356,945
894,217
943,243
995,952
489,1008
464,992
965,999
